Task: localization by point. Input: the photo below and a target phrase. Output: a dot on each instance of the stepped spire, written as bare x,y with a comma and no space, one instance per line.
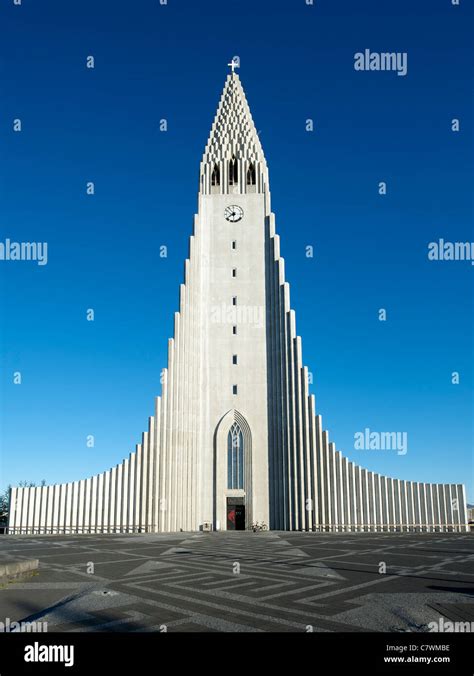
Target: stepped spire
233,159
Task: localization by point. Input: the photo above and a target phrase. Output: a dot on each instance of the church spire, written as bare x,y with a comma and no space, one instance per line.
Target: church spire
233,160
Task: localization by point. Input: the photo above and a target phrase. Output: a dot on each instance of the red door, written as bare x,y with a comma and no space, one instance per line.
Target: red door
231,517
235,517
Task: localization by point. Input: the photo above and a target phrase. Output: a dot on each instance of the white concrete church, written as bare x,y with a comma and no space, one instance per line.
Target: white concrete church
235,437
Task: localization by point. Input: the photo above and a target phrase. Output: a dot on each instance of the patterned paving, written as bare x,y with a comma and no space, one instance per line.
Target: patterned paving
243,581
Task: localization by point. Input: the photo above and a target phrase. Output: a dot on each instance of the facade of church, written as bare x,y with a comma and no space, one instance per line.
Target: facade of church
235,437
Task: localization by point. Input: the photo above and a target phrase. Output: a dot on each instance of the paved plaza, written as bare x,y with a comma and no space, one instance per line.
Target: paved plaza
242,581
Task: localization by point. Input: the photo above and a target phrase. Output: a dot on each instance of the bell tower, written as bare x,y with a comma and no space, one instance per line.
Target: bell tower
231,226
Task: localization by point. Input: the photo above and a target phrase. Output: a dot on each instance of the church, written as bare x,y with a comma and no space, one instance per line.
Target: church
235,438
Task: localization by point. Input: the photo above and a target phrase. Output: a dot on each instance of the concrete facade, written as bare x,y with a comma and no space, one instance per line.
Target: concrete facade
235,422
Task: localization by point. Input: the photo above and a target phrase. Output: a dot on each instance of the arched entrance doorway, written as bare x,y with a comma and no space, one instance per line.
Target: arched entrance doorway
233,473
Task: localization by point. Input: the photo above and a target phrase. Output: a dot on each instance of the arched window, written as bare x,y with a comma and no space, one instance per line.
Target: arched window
233,172
251,174
235,457
216,176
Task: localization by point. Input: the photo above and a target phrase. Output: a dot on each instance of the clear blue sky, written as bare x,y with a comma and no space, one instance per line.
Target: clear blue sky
102,125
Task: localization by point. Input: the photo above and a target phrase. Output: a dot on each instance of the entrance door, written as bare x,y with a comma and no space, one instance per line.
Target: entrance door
235,515
240,517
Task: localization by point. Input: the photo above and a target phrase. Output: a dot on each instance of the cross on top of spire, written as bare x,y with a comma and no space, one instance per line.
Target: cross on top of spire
234,64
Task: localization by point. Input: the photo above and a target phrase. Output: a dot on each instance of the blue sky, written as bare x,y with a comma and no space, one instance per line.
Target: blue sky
99,378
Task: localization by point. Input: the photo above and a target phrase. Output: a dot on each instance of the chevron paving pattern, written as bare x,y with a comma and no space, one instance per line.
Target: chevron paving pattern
240,581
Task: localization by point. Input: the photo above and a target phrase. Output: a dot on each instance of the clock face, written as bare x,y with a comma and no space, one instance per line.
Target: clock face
233,213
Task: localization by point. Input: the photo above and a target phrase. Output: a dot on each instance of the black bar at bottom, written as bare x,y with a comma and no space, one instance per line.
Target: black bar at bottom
150,653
